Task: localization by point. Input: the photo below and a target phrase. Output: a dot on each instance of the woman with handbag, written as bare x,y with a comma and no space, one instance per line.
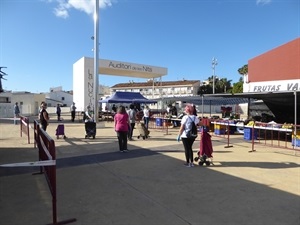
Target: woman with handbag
185,129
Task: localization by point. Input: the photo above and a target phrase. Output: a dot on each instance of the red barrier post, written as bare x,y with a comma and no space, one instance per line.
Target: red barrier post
228,135
166,123
24,127
253,150
46,147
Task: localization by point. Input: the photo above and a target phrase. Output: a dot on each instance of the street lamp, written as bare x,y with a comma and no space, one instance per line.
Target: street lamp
96,60
214,63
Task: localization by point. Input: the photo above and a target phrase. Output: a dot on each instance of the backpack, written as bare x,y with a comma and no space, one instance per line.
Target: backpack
193,132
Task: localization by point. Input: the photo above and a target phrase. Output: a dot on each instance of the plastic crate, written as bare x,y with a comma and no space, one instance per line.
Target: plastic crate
219,127
219,132
248,133
296,142
159,122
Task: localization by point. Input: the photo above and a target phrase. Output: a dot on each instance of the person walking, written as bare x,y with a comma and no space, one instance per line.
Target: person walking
122,125
174,115
44,117
132,117
16,113
186,125
146,113
114,108
73,111
58,112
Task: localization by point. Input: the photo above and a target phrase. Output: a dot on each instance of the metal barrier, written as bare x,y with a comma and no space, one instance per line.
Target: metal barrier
270,134
47,157
24,127
223,128
160,123
276,135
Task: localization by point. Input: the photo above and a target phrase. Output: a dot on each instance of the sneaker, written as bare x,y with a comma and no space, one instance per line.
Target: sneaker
126,150
187,165
122,151
191,164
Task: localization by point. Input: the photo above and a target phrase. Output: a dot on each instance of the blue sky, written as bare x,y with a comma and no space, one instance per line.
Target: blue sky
40,40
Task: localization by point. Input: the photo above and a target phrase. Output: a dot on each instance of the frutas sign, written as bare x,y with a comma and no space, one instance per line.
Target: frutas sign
275,86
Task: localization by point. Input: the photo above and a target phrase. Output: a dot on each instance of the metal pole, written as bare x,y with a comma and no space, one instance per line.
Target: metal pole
202,106
96,60
214,63
295,93
295,119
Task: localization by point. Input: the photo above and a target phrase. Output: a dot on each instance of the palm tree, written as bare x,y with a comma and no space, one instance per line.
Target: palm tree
224,85
244,71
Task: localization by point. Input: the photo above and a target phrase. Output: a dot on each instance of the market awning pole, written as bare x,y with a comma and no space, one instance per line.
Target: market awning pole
210,108
202,106
248,109
295,119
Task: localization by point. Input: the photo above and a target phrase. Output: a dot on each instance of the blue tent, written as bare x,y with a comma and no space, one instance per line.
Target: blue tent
127,97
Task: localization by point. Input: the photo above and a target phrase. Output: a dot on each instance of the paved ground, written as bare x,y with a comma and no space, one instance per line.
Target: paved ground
149,185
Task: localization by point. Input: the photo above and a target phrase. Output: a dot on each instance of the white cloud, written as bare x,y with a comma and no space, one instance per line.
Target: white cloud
263,2
87,6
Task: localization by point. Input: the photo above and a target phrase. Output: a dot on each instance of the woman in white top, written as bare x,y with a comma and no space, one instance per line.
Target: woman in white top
146,116
186,124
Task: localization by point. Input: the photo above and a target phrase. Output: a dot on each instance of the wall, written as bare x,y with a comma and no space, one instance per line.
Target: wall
281,63
83,84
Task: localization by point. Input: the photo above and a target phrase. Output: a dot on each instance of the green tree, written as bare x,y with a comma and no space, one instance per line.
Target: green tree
204,89
238,87
221,86
243,70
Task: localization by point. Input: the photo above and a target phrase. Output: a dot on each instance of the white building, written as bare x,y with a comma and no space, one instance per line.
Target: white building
28,103
58,96
163,90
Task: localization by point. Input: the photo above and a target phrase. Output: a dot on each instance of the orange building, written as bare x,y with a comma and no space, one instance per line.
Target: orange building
279,64
275,76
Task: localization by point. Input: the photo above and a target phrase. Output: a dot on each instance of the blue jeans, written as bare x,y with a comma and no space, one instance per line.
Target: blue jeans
146,121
